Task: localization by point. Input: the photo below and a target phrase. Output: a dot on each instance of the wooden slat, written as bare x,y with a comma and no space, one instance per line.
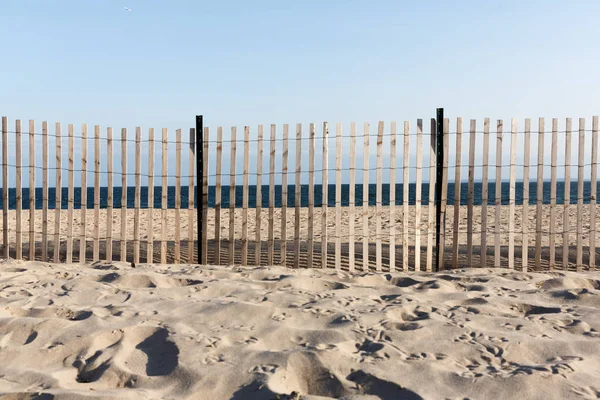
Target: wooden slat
177,255
593,190
164,194
525,219
554,156
311,192
204,203
83,203
297,199
123,235
259,163
110,194
271,243
32,190
457,193
18,192
431,205
284,194
58,199
580,178
96,192
484,190
567,196
231,258
499,128
471,192
405,185
393,196
365,203
150,210
352,199
245,196
444,196
540,196
418,193
191,195
137,199
71,191
378,197
5,183
338,195
44,192
324,195
513,188
218,190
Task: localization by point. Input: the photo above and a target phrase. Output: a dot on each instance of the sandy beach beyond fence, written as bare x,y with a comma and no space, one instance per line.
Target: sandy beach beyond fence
171,232
108,330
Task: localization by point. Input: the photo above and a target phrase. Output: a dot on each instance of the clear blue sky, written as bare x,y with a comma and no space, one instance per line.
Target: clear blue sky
246,63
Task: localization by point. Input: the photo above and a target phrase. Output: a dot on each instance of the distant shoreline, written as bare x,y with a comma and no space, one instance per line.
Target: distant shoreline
477,200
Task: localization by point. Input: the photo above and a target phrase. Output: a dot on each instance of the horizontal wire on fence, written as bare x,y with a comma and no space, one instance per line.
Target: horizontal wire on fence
331,137
304,172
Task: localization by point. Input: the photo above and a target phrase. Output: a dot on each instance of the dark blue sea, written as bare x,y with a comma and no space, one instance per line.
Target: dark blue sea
304,195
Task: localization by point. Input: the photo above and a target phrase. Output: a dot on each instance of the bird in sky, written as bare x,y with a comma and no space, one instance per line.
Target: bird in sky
127,9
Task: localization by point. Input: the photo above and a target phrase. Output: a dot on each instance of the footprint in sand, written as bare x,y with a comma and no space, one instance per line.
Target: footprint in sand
587,392
213,359
265,369
426,357
279,317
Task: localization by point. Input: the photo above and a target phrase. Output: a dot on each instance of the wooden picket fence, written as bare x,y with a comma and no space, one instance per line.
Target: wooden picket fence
74,235
391,233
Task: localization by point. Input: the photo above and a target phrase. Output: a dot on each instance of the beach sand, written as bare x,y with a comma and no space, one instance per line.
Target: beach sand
170,234
113,331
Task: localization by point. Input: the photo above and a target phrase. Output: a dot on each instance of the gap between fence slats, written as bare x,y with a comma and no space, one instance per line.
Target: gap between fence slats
58,190
580,168
405,189
499,129
110,194
484,191
324,195
231,257
352,199
271,244
32,190
393,196
284,194
18,192
471,192
457,188
69,258
431,205
177,255
512,189
540,193
338,196
257,245
365,202
378,197
150,210
526,161
553,161
245,195
418,193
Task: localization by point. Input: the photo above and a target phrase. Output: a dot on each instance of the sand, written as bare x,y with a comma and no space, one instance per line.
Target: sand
184,218
178,226
108,330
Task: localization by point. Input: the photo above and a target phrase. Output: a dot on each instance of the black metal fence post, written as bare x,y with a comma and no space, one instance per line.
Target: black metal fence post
439,152
199,179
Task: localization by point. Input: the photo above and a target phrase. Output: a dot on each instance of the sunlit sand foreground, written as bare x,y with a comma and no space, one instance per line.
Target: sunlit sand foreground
109,330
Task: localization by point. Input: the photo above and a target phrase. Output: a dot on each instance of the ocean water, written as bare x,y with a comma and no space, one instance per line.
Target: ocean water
560,191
